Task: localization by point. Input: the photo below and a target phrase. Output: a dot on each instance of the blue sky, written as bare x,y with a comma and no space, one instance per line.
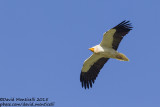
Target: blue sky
43,44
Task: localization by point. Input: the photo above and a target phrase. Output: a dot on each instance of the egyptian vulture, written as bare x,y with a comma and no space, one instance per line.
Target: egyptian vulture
102,52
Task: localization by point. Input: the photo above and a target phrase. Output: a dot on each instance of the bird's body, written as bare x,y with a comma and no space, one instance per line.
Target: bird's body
108,52
102,52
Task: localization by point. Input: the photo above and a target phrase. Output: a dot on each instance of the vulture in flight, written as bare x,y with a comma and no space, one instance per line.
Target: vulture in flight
102,52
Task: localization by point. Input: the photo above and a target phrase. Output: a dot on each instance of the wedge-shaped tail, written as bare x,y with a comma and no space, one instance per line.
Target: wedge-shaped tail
121,57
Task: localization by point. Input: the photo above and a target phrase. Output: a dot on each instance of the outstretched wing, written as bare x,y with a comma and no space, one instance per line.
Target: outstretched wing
113,37
90,69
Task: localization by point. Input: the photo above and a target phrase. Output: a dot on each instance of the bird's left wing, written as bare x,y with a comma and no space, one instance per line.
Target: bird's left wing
113,37
91,68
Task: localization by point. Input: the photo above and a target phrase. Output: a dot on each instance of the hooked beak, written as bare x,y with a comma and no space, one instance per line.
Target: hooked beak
91,49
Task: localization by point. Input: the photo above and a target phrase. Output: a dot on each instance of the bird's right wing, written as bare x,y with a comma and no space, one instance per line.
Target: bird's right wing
91,68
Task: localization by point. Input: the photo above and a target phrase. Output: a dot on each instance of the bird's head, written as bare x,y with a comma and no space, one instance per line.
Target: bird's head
96,49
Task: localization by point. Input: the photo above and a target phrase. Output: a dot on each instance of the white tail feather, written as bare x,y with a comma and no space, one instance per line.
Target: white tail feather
121,57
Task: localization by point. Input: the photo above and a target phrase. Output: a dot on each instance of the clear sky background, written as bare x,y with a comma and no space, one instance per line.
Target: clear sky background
43,44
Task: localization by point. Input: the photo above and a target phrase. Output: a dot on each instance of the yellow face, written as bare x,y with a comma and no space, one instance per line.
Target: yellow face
91,49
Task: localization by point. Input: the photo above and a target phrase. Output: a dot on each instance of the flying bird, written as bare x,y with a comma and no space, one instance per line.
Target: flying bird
102,52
